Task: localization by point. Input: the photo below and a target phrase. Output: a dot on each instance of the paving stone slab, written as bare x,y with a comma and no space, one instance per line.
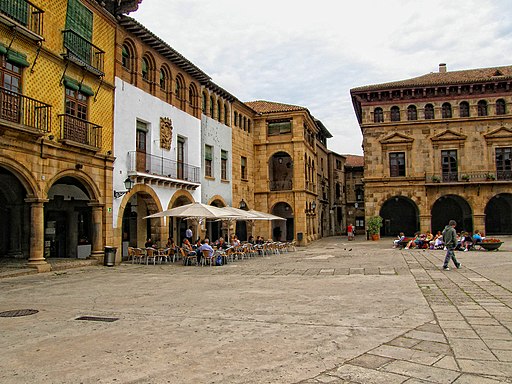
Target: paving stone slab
434,347
419,371
406,354
493,368
474,379
370,361
447,362
362,375
404,342
471,349
429,336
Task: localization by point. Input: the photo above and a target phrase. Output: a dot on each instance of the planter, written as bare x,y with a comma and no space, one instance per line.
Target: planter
375,236
491,246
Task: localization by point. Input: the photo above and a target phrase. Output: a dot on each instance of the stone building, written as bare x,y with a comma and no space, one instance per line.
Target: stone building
56,119
439,147
286,170
337,193
354,193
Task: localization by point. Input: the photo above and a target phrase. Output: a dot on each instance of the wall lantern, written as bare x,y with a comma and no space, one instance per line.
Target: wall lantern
128,184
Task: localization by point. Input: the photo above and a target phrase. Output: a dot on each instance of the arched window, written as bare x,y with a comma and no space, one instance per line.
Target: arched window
180,88
378,115
212,108
226,115
193,96
145,69
249,125
235,118
219,110
127,57
245,123
482,108
165,78
500,107
204,103
464,109
395,113
412,112
429,111
446,111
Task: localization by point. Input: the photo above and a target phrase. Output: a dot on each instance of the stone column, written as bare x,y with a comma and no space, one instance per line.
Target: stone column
479,223
97,231
36,257
425,223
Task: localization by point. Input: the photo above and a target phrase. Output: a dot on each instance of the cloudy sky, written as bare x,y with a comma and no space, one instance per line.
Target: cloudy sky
311,53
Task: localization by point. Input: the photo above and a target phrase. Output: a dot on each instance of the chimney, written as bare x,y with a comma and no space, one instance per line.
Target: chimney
442,68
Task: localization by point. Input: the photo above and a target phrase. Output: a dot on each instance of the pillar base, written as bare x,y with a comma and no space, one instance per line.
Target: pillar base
97,255
40,265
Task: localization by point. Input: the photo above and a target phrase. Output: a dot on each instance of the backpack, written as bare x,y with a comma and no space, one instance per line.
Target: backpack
218,260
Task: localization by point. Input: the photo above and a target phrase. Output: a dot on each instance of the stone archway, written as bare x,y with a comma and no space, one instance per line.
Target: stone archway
498,215
399,214
451,207
280,170
178,226
216,228
283,230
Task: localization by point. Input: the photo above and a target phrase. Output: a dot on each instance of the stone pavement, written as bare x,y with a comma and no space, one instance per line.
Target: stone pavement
334,312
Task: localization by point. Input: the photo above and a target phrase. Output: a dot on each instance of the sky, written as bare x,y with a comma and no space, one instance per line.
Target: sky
311,53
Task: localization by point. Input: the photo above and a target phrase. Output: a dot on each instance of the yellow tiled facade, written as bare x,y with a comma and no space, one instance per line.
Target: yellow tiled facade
59,162
438,147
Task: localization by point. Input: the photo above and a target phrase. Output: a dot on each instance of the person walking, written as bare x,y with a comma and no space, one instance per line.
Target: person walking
188,233
350,232
450,242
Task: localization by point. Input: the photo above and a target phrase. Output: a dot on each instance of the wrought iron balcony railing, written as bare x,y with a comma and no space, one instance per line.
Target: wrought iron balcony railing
464,177
161,166
281,185
83,53
80,131
25,13
25,111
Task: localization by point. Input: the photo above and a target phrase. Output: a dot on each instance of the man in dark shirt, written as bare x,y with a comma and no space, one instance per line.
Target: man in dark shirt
450,242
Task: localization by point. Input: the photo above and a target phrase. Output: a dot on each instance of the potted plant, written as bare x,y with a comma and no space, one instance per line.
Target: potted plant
436,179
374,225
465,177
490,176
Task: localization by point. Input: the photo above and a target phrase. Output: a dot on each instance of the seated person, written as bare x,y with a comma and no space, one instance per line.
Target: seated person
187,247
477,237
170,244
234,241
221,244
204,246
466,241
148,243
437,241
413,243
396,243
421,242
250,239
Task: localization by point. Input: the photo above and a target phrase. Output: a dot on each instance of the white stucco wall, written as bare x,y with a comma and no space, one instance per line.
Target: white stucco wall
132,104
218,136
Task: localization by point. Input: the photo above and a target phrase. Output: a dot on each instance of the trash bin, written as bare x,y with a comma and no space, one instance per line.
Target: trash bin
300,236
110,256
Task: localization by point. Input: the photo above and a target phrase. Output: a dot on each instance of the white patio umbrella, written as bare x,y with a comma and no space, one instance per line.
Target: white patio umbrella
194,210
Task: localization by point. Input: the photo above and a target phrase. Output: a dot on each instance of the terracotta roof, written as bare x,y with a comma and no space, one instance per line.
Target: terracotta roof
354,161
262,106
446,78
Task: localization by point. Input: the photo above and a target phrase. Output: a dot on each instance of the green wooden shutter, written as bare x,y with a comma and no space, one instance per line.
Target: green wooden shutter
15,9
208,153
79,20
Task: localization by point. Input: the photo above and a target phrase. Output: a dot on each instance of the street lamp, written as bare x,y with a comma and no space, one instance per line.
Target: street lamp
243,204
313,206
128,184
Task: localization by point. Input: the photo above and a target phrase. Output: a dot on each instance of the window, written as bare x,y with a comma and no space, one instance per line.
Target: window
180,88
397,164
17,10
504,163
126,57
279,127
145,69
449,165
224,165
79,20
226,115
249,125
464,109
395,114
205,101
500,107
208,161
219,110
163,79
235,118
76,104
359,194
378,115
482,108
181,158
446,111
10,79
243,168
412,112
140,145
429,111
212,108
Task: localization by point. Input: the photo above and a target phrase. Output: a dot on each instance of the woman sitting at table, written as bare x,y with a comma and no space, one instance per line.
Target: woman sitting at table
170,244
234,241
221,244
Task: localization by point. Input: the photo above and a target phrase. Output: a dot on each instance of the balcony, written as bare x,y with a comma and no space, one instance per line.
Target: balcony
75,131
24,113
468,177
161,169
281,185
83,53
23,14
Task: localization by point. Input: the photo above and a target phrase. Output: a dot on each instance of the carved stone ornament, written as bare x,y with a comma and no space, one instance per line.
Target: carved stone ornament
165,133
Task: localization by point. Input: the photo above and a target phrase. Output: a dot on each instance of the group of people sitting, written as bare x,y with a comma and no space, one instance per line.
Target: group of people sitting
465,240
196,249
